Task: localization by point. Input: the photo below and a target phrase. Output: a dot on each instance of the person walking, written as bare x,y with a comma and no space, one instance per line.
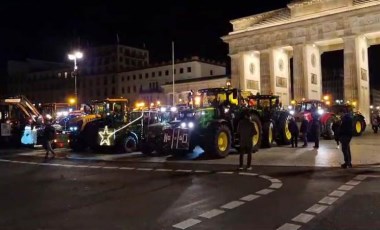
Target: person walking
246,130
49,135
293,128
303,130
345,136
316,130
335,129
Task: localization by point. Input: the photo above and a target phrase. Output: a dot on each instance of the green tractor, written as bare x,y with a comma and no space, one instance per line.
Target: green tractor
211,123
359,122
274,119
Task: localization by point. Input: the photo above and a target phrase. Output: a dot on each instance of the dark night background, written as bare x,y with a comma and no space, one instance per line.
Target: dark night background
48,30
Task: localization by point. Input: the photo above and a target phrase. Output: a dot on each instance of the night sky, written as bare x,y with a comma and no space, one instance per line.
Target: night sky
48,30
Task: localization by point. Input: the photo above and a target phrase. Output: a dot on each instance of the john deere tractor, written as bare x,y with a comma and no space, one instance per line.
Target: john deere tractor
211,123
273,118
359,122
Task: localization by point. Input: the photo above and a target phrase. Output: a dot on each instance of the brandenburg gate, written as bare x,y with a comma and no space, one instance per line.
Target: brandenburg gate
261,47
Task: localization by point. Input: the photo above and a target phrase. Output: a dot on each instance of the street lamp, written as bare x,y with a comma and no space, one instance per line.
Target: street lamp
74,56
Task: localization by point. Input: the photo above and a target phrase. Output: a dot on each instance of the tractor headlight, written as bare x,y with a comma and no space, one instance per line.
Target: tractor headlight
73,128
321,111
163,109
291,112
191,125
183,125
226,110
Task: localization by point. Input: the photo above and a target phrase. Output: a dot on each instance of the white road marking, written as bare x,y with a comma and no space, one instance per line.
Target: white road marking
233,204
303,218
164,170
202,171
276,185
275,180
353,182
266,177
2,160
265,191
95,167
187,223
328,200
337,193
212,213
144,169
346,187
317,208
227,173
248,174
360,177
110,167
79,166
55,165
183,170
68,166
250,197
288,226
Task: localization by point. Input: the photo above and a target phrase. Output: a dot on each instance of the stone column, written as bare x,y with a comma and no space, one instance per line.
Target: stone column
356,73
236,74
298,72
280,74
265,74
313,72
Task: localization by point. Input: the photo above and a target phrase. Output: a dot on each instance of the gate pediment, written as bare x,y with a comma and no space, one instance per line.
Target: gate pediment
307,7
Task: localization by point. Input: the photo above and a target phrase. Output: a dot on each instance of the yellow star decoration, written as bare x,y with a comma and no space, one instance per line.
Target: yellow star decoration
105,135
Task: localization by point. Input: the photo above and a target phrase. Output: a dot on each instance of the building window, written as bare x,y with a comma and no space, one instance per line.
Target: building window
128,78
122,78
105,92
211,72
181,70
134,89
140,76
134,77
189,69
166,72
153,74
146,75
113,79
105,80
113,91
128,89
122,90
159,73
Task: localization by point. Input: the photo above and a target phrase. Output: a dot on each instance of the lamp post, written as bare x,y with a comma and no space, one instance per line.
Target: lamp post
74,56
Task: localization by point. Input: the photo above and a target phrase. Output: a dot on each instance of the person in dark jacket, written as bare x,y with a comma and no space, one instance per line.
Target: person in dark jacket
246,130
345,136
303,130
316,130
335,129
49,136
293,128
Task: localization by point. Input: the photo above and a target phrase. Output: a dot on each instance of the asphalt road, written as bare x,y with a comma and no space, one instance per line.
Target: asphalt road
95,194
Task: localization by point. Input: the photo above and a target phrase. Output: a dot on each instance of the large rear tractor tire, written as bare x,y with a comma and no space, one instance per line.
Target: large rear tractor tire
268,134
257,139
358,125
283,133
129,144
219,141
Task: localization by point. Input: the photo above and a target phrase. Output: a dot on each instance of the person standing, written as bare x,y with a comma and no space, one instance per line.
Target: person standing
246,130
316,130
293,128
345,136
335,128
49,135
303,130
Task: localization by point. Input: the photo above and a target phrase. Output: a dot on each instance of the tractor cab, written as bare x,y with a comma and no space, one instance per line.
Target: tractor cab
309,109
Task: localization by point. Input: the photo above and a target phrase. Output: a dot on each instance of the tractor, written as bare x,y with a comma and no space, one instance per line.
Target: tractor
312,109
211,123
359,122
274,119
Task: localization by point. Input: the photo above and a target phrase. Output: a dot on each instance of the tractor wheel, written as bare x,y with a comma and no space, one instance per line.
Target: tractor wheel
358,126
219,141
283,133
328,133
129,144
268,134
259,129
